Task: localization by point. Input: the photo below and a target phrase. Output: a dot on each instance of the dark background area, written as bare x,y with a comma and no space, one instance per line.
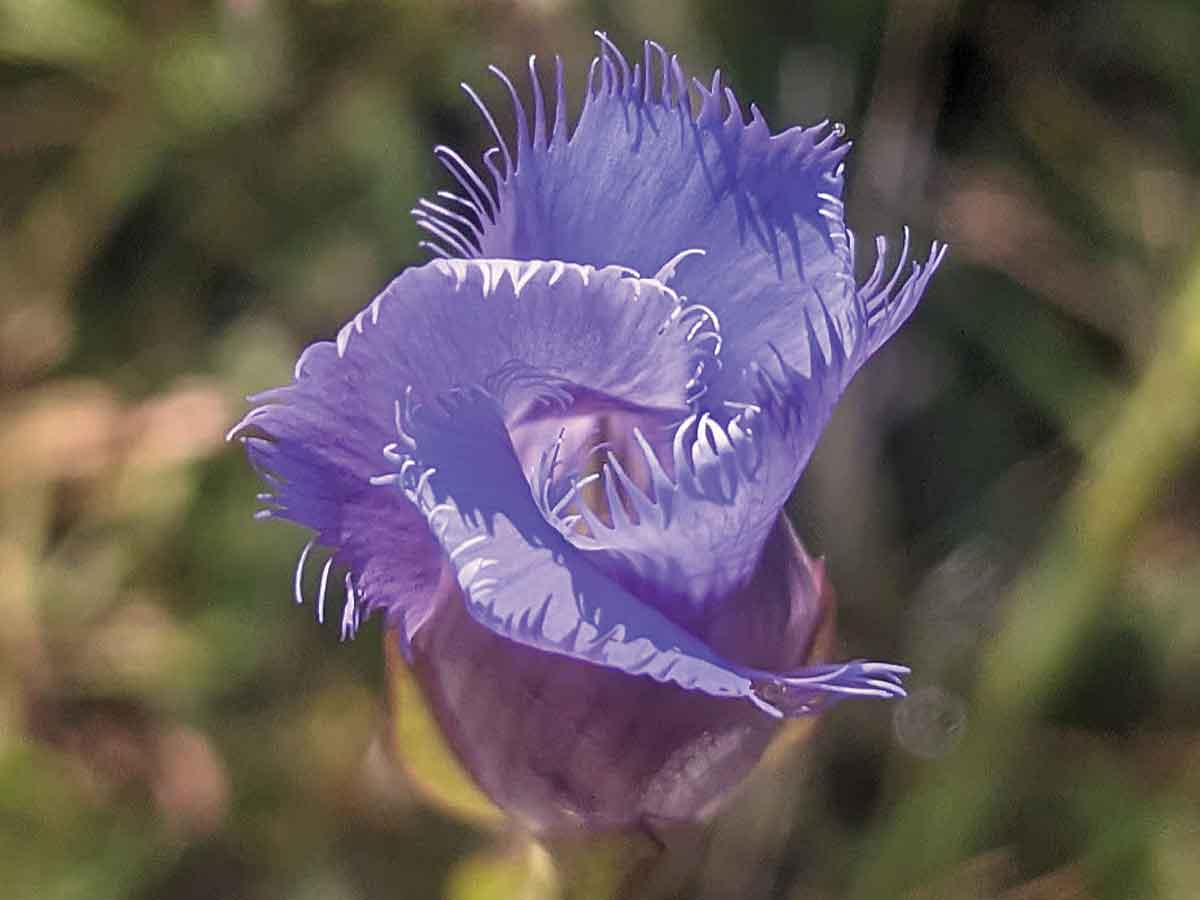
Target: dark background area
1007,498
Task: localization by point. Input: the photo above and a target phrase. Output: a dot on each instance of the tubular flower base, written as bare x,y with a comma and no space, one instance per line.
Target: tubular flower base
555,458
589,747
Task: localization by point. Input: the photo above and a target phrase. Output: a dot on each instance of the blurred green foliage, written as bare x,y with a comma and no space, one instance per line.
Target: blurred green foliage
1009,497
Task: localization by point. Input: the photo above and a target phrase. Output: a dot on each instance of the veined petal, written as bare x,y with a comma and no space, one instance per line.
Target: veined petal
558,741
538,335
692,528
690,514
522,579
743,222
317,443
534,333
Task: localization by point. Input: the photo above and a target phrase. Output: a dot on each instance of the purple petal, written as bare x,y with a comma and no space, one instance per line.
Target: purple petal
539,335
561,744
523,580
748,228
743,222
688,525
317,443
688,515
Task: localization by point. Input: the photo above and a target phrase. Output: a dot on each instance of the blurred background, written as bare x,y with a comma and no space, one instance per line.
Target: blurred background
1008,499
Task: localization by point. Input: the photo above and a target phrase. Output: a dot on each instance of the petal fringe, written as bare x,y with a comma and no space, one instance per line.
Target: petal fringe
523,580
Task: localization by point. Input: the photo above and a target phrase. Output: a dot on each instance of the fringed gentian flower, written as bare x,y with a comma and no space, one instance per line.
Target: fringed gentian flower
555,458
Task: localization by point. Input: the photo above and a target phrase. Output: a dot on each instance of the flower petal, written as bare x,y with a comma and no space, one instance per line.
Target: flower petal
522,579
748,227
538,335
694,528
746,223
690,515
317,449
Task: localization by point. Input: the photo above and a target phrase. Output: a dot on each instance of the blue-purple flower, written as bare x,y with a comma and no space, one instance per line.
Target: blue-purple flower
555,458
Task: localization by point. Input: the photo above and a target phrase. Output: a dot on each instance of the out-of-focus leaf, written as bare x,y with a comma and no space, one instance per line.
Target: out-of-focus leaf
422,752
521,872
83,34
